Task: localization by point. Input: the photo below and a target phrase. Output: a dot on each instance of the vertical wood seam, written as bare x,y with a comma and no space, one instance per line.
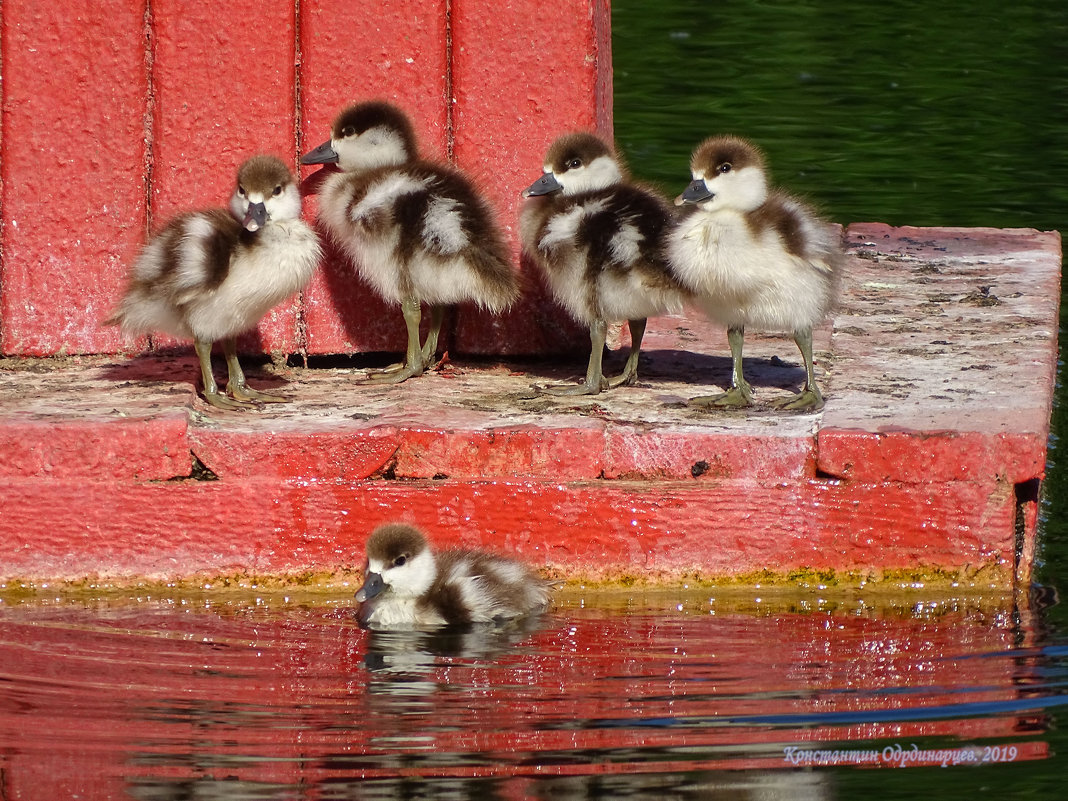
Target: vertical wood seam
301,332
450,99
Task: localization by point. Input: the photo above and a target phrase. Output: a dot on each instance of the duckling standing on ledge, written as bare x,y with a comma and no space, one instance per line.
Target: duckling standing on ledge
212,275
406,585
418,232
600,240
753,257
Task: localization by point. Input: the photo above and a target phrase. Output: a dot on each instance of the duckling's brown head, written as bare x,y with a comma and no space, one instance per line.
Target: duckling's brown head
365,136
398,559
266,190
728,172
575,163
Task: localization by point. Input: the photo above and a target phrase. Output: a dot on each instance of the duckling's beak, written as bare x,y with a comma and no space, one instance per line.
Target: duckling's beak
255,217
545,185
694,193
372,586
324,154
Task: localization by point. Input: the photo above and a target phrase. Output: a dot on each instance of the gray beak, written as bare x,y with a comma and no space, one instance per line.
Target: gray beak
545,185
324,154
694,193
255,217
372,586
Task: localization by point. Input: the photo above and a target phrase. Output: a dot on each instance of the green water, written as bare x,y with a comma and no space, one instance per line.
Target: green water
911,113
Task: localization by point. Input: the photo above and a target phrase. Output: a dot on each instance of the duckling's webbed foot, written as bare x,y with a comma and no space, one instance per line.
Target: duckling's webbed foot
740,394
808,400
629,376
737,397
237,387
243,392
414,362
401,374
210,389
581,388
595,382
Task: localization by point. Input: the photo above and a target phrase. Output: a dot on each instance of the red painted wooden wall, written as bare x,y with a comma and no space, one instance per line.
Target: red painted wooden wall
116,114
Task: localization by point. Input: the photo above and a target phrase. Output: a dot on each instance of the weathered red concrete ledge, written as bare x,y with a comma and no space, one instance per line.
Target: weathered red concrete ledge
938,369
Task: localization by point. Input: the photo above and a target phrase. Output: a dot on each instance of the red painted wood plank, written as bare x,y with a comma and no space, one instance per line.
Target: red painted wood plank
521,77
73,157
222,91
938,332
353,51
125,449
600,530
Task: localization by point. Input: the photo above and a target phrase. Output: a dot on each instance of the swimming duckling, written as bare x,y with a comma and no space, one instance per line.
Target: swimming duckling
418,232
211,275
600,240
406,585
753,257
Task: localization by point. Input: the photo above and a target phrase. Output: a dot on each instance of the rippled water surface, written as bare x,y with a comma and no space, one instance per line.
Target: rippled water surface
639,696
906,112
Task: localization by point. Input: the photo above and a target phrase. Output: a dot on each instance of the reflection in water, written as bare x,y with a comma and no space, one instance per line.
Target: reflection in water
660,695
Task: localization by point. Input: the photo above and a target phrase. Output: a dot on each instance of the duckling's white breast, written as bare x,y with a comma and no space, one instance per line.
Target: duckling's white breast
746,279
392,612
277,265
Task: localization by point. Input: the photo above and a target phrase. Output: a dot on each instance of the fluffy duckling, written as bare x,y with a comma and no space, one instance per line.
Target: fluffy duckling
418,232
599,239
755,257
211,275
406,585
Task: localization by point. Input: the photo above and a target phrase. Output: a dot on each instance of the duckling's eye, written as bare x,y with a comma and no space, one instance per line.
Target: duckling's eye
347,131
574,164
241,190
399,561
725,167
278,190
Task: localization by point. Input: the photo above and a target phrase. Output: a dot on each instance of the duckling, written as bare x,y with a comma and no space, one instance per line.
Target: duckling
753,256
406,585
418,232
211,275
599,239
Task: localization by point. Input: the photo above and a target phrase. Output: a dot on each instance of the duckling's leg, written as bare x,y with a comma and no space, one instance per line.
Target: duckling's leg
740,394
413,360
211,389
430,347
630,369
236,386
595,380
809,399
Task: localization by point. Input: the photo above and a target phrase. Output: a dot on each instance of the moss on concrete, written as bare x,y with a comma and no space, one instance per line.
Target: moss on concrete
927,581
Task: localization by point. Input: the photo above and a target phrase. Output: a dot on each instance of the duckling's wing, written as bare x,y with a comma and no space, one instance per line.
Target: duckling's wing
505,588
638,222
803,234
191,255
453,222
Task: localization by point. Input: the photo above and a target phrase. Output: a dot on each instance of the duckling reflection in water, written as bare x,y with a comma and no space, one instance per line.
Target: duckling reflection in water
212,275
404,653
599,239
408,586
418,232
753,257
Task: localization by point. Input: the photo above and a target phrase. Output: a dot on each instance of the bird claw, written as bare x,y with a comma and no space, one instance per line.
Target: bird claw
221,401
389,376
243,392
808,400
570,390
733,398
